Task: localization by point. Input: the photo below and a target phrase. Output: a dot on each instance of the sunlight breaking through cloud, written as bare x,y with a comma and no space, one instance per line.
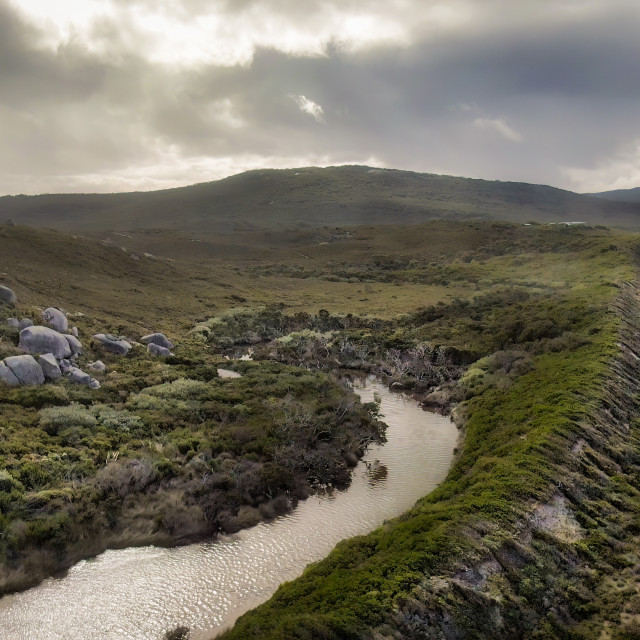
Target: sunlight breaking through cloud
538,92
306,105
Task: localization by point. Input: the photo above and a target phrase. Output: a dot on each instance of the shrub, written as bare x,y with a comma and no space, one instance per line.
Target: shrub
118,420
34,476
243,325
8,482
539,329
121,478
54,419
180,389
38,397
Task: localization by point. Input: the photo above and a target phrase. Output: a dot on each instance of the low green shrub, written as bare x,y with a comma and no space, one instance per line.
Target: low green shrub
54,419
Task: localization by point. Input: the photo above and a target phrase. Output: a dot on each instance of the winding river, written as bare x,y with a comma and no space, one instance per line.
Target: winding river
139,593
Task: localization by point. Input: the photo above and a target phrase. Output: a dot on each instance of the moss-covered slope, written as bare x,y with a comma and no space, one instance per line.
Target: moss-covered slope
534,532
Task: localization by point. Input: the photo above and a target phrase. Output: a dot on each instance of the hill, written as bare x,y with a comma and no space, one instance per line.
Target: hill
620,195
312,197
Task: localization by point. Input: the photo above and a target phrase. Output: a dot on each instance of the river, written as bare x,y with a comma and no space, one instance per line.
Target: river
139,593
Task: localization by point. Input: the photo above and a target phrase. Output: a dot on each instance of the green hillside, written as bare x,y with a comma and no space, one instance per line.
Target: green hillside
314,197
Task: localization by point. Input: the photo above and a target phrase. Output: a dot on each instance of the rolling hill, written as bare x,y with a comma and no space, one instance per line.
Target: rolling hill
312,197
620,195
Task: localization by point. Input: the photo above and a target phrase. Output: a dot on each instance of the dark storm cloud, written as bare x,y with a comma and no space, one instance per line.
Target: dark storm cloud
505,97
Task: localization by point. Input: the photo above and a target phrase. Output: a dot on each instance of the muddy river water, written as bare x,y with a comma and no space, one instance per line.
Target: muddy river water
139,593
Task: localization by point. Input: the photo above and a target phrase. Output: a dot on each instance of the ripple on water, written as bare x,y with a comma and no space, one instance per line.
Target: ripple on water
137,594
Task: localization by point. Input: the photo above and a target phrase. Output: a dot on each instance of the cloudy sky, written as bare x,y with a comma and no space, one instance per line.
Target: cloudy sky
116,95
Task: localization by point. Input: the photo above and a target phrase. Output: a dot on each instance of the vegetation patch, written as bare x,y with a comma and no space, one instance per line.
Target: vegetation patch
164,453
546,420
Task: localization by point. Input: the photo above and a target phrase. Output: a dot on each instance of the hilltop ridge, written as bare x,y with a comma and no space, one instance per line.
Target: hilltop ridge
619,195
274,199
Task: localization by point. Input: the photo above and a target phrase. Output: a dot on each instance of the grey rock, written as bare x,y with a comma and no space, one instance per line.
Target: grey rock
74,332
94,384
98,365
65,365
25,322
49,366
7,296
26,369
56,319
113,344
74,344
78,376
14,323
157,350
397,386
157,338
7,376
44,340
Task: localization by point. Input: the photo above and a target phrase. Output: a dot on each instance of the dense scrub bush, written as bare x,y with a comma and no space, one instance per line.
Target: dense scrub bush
116,419
7,482
201,453
181,389
121,478
38,397
243,325
54,419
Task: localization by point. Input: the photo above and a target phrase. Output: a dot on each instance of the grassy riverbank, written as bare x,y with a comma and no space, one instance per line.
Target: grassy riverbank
534,532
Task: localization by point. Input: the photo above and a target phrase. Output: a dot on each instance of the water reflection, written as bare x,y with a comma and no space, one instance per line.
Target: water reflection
376,472
137,594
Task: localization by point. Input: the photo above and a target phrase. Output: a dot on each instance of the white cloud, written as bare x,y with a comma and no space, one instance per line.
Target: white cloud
622,171
100,87
500,125
306,105
224,112
170,168
191,34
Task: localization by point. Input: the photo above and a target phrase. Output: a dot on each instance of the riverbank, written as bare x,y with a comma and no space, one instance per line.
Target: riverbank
535,525
165,453
142,592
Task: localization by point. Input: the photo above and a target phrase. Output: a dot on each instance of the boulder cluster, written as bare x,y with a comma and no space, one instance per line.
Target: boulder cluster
57,348
158,344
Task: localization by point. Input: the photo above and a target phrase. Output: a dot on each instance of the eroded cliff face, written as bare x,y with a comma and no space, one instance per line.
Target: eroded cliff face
570,566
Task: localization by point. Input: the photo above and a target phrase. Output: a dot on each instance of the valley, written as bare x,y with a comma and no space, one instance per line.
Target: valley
523,333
